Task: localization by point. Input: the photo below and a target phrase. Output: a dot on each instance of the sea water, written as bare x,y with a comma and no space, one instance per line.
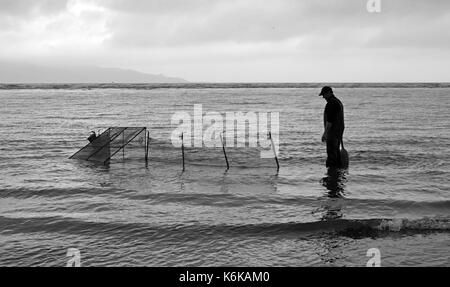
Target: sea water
394,197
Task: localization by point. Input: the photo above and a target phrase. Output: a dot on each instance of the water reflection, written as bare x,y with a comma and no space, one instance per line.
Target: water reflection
335,184
329,248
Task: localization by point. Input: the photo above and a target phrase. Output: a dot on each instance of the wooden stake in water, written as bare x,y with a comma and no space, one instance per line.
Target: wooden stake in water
123,144
274,152
147,142
224,152
182,148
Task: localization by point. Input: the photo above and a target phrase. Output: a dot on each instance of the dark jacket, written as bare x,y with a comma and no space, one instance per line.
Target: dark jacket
334,113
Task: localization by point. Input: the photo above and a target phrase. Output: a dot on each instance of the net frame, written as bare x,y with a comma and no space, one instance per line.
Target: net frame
108,144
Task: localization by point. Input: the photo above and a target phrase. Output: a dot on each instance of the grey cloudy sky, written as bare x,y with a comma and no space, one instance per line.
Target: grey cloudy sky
235,40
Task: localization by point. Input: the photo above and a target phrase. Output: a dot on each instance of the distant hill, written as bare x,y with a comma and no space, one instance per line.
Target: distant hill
28,73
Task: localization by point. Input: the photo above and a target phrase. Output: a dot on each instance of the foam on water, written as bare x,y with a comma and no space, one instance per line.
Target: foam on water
423,224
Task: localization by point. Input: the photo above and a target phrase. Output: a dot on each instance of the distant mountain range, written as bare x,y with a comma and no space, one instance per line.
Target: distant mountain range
29,73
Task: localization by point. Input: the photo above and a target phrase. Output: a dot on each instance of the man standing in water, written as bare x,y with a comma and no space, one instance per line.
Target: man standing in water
333,119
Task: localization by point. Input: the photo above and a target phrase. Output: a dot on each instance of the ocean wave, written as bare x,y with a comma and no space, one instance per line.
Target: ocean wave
249,199
215,199
344,227
25,193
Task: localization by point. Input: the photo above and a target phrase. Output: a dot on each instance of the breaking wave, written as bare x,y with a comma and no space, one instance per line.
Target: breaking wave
344,227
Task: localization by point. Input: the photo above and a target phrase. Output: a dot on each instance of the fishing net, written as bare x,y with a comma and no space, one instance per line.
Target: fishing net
110,142
163,151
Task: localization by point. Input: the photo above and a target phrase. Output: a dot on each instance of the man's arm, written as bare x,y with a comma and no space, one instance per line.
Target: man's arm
327,131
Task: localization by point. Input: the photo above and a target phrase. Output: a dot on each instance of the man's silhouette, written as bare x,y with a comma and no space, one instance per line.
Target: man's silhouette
333,120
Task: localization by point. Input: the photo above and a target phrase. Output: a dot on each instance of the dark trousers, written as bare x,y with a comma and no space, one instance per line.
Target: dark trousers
333,153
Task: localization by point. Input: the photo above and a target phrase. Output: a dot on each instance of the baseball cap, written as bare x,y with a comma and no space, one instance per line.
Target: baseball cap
326,90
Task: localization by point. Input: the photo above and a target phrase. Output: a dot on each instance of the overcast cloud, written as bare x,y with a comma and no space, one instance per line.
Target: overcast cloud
235,40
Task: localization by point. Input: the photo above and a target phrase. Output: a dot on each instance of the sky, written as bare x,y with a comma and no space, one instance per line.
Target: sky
235,40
